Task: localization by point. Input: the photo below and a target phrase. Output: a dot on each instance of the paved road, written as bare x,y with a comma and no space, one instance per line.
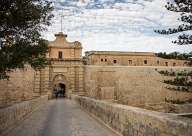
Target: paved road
61,117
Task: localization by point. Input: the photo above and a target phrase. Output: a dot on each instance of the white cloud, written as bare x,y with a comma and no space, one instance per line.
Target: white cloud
125,25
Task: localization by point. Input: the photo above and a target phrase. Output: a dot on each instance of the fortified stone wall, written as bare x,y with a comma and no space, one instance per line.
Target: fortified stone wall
132,121
134,85
19,87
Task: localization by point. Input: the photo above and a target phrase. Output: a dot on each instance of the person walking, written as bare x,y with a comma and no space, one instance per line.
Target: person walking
55,92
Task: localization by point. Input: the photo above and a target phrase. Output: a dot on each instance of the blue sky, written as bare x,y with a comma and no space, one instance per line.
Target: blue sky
122,25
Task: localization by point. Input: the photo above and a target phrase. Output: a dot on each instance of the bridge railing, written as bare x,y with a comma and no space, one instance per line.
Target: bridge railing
14,114
133,121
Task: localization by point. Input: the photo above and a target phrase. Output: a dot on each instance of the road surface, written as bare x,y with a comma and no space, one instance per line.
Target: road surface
61,117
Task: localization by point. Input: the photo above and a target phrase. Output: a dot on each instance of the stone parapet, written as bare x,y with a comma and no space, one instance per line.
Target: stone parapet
132,121
12,115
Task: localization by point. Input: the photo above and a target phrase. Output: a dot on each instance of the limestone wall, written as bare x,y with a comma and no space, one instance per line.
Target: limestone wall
14,114
132,121
132,85
19,87
130,59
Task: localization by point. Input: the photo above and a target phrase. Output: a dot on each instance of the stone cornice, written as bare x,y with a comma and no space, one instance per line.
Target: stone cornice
120,53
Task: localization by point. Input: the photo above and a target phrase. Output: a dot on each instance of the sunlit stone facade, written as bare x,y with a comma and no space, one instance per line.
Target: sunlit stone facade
129,59
68,65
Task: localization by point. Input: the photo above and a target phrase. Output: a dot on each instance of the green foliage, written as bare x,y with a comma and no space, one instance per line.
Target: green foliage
184,73
175,55
182,80
179,81
167,73
177,101
180,88
21,24
184,8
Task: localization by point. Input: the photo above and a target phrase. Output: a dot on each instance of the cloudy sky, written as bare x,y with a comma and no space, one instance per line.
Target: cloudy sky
120,25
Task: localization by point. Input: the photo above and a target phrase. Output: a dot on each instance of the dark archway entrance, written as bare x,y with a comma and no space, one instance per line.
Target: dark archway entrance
61,85
59,90
62,89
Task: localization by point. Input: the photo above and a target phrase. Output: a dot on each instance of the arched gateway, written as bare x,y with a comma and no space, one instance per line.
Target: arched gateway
60,85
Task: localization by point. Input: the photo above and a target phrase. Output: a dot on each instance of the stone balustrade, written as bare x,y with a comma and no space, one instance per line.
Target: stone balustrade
132,121
12,115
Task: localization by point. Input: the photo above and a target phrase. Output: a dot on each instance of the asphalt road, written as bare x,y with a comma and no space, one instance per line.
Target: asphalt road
61,117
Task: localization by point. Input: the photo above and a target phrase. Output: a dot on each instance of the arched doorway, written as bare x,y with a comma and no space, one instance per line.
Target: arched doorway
59,90
59,86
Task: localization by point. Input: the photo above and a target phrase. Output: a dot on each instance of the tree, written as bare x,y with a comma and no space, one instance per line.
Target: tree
183,80
185,8
21,24
175,55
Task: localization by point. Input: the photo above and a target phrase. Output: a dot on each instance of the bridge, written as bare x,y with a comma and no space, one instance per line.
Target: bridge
84,116
61,117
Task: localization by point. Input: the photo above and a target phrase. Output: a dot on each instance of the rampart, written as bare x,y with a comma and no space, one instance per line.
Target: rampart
133,85
19,87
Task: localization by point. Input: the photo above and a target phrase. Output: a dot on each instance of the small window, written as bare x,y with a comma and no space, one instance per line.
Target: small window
102,60
105,60
130,62
185,63
166,63
145,61
60,55
174,64
114,61
158,62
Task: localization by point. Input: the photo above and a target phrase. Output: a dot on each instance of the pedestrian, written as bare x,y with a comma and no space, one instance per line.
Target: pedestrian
55,92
